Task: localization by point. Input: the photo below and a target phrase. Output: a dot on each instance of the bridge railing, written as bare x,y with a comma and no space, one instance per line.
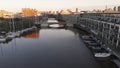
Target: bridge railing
104,26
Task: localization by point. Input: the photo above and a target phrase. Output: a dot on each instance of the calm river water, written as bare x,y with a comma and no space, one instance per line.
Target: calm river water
47,48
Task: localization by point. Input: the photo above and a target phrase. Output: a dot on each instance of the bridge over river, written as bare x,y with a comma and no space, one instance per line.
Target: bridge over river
52,21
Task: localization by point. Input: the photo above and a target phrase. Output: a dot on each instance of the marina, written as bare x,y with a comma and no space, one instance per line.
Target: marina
52,48
10,35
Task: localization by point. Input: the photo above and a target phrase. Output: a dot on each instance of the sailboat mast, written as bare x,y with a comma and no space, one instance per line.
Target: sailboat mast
13,24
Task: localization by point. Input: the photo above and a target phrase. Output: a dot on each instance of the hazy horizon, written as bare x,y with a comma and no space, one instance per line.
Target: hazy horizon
47,5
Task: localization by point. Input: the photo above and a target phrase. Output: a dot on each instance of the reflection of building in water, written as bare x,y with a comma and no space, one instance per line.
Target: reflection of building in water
34,35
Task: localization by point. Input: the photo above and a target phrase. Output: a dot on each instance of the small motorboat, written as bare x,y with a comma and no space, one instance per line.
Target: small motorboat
10,35
2,39
17,34
103,56
3,32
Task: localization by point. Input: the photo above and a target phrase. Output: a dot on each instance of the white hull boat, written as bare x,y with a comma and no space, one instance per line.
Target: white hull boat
10,35
17,34
2,39
102,56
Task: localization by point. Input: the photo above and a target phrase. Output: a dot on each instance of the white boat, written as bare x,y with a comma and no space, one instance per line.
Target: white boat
102,56
2,39
17,34
3,32
10,35
34,27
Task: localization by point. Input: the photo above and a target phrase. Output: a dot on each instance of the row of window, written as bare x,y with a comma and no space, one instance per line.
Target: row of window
106,32
111,19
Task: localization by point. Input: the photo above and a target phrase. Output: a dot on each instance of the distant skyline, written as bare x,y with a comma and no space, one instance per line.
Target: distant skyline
46,5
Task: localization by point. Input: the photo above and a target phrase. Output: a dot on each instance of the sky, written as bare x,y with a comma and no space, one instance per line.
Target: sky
17,5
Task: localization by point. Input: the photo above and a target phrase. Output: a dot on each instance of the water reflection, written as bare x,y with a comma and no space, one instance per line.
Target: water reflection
1,49
33,35
8,48
53,48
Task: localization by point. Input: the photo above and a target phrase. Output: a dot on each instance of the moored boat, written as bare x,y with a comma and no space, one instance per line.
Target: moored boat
104,56
10,35
17,34
2,39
